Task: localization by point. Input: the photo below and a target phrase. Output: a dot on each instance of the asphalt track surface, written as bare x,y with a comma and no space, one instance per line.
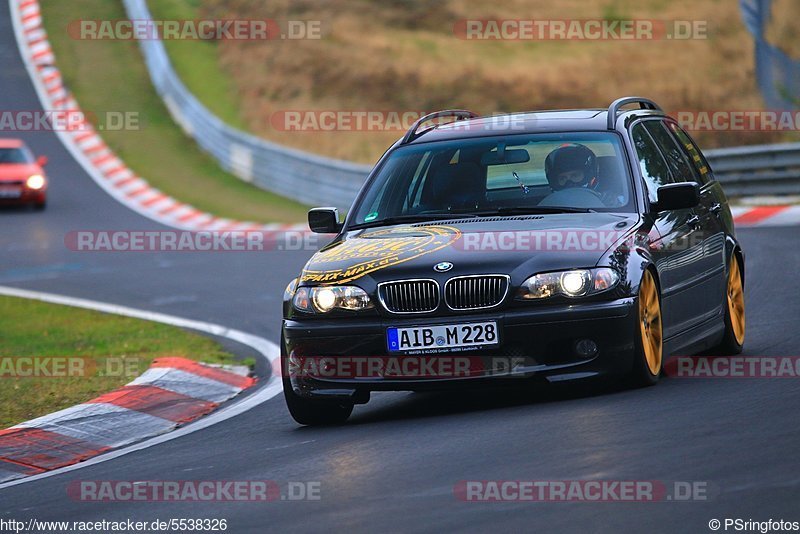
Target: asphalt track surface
395,464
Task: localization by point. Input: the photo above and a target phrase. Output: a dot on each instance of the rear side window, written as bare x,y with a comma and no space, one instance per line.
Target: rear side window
652,164
680,168
691,152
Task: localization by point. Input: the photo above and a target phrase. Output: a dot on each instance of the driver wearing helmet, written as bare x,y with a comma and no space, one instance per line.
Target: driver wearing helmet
571,165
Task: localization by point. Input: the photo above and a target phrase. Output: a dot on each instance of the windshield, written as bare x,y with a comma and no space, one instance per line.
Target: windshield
494,175
15,155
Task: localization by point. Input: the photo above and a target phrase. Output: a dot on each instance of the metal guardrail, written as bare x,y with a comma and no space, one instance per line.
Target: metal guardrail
295,174
757,170
317,180
777,73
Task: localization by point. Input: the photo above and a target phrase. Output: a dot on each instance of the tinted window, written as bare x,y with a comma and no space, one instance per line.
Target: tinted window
680,168
15,155
490,173
651,162
691,152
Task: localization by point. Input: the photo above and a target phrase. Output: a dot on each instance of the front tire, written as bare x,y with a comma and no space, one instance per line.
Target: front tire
311,412
649,336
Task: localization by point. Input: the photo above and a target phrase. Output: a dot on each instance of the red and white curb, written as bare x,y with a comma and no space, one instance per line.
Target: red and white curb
174,391
745,216
152,409
88,148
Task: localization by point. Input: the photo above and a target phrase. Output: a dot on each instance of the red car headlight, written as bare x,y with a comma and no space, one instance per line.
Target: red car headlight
35,181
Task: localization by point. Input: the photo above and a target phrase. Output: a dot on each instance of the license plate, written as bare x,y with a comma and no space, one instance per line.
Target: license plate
443,337
10,192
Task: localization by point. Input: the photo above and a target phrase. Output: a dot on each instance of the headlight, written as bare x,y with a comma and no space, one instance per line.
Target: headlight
574,283
323,299
35,181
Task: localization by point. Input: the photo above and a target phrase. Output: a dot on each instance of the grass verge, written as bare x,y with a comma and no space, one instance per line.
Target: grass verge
110,76
113,350
197,63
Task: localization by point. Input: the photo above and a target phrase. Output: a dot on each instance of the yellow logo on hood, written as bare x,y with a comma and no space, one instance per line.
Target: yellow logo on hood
355,257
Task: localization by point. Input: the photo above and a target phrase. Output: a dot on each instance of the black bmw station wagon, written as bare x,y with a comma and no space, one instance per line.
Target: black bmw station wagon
558,245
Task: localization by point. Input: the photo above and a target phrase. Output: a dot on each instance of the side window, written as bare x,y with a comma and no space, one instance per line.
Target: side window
691,152
677,163
651,162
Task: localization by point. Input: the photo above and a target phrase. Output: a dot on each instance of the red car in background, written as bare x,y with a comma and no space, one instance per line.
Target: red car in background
22,178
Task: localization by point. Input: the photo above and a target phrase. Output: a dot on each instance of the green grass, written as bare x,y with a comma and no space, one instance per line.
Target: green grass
107,75
36,329
197,63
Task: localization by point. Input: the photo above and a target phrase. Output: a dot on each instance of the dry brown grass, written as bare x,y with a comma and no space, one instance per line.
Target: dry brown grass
403,55
783,30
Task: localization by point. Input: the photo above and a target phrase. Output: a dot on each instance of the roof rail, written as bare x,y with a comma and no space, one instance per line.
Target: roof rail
459,114
644,103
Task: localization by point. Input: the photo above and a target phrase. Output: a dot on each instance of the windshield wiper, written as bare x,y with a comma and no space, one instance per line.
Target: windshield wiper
531,210
400,219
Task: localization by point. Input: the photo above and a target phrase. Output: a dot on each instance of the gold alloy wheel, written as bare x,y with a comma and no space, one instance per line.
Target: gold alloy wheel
650,323
736,300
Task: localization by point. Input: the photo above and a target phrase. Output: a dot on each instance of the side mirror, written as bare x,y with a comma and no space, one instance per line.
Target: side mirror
41,161
677,196
324,220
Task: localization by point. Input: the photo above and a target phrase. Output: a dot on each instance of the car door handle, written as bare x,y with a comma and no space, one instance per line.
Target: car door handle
693,222
716,209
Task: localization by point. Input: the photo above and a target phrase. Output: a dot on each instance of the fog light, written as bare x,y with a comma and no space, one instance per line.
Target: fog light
585,348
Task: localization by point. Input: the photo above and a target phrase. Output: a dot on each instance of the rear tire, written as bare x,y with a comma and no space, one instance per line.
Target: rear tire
649,342
40,206
733,338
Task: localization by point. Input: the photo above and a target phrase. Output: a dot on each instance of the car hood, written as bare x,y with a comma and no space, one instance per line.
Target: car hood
18,171
518,246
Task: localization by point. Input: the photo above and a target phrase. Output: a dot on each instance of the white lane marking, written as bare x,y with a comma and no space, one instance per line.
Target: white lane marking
267,349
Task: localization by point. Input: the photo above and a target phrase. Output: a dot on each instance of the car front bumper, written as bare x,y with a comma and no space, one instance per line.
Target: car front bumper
335,357
26,196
